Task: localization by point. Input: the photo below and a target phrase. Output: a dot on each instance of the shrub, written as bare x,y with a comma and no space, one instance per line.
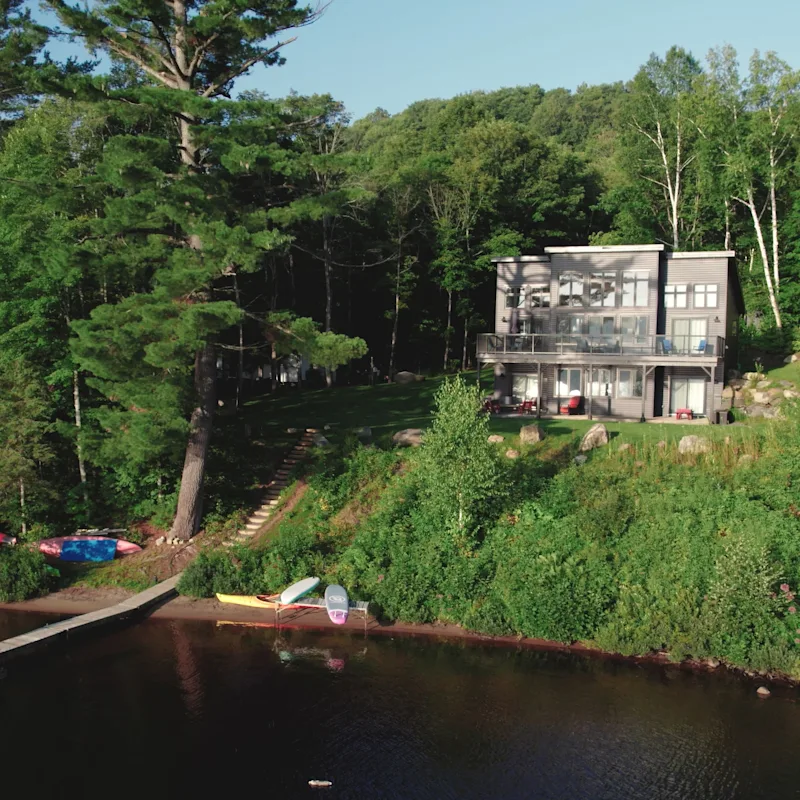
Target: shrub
23,574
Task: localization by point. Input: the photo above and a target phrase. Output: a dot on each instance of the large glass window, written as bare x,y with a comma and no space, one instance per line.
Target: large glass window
601,385
524,387
515,297
569,380
689,335
571,324
688,393
634,289
630,383
675,295
540,296
601,326
633,326
570,289
601,289
705,295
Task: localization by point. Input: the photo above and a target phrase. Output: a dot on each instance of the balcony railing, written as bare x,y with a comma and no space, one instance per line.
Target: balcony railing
491,344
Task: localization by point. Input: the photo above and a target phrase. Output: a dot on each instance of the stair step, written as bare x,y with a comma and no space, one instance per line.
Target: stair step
260,517
253,526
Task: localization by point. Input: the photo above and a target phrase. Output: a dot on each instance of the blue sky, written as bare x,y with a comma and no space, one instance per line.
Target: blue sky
389,53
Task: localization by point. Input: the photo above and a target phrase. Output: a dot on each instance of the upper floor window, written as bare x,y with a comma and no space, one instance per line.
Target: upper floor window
634,288
705,295
540,296
675,295
515,297
602,288
572,325
633,326
570,289
601,326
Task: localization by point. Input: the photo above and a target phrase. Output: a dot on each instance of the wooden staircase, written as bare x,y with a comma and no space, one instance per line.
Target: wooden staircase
261,515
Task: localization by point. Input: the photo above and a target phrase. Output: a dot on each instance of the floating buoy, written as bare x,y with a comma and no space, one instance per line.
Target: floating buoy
320,784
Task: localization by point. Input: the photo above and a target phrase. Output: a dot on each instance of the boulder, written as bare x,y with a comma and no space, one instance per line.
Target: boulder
625,447
727,393
786,384
530,434
755,411
364,434
788,359
580,460
512,454
763,385
761,398
161,540
693,445
405,377
791,394
795,357
752,377
320,441
762,691
745,460
410,437
596,436
495,438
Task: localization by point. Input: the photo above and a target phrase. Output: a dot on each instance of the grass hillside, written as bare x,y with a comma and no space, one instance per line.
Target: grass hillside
638,550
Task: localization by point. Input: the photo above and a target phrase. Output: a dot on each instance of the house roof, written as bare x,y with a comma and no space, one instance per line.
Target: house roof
612,248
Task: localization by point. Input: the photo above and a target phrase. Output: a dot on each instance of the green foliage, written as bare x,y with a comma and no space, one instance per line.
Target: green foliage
334,350
23,574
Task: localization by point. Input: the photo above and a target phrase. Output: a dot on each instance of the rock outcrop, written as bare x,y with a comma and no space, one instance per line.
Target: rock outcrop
409,437
596,436
530,434
694,445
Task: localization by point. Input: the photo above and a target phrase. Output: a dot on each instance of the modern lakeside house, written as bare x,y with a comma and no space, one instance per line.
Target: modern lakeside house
626,331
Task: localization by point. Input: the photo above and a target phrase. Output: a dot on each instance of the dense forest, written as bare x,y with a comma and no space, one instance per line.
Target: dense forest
164,241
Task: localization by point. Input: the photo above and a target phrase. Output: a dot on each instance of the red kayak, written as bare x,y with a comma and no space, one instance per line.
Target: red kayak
6,539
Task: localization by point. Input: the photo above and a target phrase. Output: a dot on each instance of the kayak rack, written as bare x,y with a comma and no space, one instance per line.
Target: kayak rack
359,606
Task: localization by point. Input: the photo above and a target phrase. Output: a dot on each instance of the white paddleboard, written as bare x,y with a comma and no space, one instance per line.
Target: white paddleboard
337,604
297,590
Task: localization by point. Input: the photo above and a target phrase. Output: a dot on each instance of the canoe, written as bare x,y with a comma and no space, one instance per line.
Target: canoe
337,604
297,590
82,548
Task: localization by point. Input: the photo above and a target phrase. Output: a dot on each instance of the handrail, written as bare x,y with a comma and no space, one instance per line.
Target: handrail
610,344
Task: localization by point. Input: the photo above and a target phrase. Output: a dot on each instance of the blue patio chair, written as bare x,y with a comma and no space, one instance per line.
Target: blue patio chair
666,345
701,346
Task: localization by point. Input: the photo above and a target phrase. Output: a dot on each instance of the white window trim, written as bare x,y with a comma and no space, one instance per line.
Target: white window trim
604,275
704,293
676,293
639,276
543,288
573,277
620,393
509,290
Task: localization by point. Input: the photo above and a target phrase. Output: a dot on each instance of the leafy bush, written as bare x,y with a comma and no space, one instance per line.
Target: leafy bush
23,574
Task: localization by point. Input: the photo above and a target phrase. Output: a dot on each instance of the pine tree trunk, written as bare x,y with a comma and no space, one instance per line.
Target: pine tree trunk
393,345
190,499
22,508
447,329
464,351
76,402
240,364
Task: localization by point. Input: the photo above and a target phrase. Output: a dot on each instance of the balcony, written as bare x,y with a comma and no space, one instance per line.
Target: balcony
612,348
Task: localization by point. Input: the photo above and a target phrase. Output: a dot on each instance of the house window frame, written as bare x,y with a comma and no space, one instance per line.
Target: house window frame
569,371
571,280
570,320
530,378
605,330
601,279
539,294
594,382
704,291
638,319
519,292
636,380
640,280
675,292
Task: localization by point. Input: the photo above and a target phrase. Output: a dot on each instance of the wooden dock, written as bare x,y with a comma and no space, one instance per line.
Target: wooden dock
41,638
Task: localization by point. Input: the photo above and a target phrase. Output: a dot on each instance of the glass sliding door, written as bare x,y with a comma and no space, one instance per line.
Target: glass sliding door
569,380
688,393
524,387
689,335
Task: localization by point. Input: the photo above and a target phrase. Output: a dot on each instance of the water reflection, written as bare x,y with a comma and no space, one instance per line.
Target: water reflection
207,710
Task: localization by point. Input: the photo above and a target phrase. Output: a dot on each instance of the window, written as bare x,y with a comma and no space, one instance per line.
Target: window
569,380
601,289
705,295
600,382
601,326
515,297
524,387
675,295
572,325
540,296
688,393
634,288
570,289
689,335
633,326
630,383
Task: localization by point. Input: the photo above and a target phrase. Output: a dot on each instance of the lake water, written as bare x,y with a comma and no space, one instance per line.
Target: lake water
192,709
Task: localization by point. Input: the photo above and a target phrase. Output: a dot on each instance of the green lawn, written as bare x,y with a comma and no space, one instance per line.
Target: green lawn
387,408
788,372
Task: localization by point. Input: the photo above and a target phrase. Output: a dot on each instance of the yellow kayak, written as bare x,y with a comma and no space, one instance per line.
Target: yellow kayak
252,601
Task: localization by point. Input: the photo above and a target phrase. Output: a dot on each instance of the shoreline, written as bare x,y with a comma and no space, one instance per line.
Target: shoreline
73,601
